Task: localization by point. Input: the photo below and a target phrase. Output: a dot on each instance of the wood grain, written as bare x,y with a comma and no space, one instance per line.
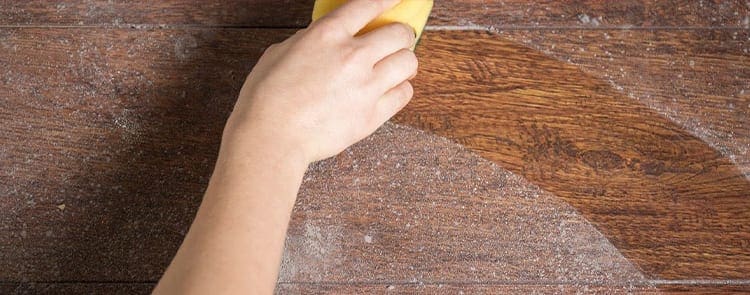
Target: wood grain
705,289
626,14
108,139
111,131
104,188
505,289
459,289
145,288
666,199
76,288
696,78
419,209
506,14
242,13
107,166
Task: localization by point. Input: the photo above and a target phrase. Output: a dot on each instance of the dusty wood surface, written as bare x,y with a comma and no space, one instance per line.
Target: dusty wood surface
498,14
109,129
505,289
386,211
419,209
664,197
255,13
145,288
119,126
620,163
76,288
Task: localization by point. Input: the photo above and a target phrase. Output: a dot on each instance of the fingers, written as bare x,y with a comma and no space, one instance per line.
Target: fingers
395,69
356,14
387,40
392,102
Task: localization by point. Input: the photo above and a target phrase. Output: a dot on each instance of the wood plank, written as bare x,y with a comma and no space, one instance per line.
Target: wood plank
244,13
419,209
705,289
121,126
667,200
592,14
145,288
498,14
108,139
696,78
76,288
450,288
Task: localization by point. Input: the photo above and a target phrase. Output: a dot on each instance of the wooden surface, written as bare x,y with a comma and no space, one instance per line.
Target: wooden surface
76,288
110,116
505,14
696,78
577,137
145,288
126,142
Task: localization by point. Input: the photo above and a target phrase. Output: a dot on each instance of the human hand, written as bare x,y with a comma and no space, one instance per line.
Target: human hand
325,88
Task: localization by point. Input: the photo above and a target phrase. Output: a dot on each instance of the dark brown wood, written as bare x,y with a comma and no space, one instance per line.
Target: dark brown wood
666,199
705,289
696,78
591,14
76,288
498,14
460,289
108,131
254,13
506,289
108,140
404,206
103,188
145,288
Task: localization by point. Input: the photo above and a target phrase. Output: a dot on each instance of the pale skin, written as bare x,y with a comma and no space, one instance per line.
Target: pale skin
308,98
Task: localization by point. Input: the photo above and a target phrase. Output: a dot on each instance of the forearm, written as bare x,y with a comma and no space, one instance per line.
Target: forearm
236,241
307,99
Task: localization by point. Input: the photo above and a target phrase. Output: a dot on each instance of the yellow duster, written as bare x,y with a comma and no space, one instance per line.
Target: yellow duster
411,12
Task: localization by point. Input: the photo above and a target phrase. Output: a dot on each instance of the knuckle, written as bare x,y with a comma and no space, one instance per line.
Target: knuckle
381,5
407,33
326,29
351,55
378,5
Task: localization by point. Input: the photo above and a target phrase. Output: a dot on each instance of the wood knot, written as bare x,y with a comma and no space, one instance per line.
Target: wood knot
602,160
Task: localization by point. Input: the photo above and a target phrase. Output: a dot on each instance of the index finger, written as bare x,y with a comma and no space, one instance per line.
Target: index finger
356,14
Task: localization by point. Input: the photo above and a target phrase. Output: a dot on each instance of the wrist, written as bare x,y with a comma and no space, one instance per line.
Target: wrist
243,141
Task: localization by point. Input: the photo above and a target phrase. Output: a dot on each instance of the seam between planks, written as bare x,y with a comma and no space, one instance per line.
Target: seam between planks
489,28
643,283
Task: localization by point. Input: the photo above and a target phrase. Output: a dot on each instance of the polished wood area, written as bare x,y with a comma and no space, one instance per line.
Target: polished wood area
668,200
695,78
630,118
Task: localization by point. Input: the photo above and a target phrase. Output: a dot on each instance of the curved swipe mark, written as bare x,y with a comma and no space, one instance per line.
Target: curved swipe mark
407,207
669,202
